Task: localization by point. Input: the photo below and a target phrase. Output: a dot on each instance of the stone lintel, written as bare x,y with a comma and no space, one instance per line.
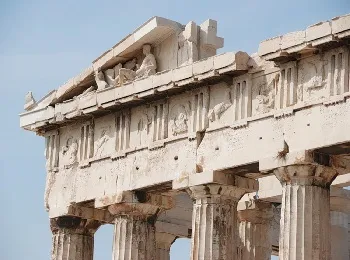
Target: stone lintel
340,200
131,197
82,212
170,228
139,203
164,240
341,163
216,177
306,174
216,193
255,211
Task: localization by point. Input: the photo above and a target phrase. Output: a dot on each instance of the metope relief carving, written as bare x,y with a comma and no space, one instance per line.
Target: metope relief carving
52,150
101,142
216,112
265,97
70,152
178,119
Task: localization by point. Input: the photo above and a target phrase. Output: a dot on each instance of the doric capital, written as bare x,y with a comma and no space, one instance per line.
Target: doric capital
216,191
256,211
141,205
306,174
74,225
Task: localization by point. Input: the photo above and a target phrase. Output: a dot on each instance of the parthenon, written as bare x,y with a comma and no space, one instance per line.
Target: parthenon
164,138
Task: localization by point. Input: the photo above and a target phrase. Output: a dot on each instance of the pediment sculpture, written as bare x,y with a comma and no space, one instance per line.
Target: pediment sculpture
129,71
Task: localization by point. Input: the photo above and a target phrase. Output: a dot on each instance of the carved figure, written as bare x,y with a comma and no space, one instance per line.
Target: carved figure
29,101
147,68
187,45
70,151
104,138
109,76
143,128
216,112
266,97
178,120
100,80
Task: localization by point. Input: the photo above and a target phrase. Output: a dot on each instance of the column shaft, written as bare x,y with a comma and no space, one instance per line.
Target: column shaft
339,235
134,238
163,244
214,222
304,223
305,214
73,238
255,231
68,246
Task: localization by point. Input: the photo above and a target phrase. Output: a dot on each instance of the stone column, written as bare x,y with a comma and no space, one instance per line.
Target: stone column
134,238
339,235
163,244
214,222
255,230
305,229
73,238
134,225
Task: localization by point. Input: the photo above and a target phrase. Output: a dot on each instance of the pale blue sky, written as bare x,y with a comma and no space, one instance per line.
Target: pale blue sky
44,43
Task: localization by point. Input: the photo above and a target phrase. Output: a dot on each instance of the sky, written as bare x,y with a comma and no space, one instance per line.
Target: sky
44,43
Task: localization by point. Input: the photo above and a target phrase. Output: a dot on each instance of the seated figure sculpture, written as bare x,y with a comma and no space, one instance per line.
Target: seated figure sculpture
147,68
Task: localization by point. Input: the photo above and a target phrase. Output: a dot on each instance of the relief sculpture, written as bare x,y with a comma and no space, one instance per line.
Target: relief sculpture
266,96
216,112
101,142
70,151
178,119
143,128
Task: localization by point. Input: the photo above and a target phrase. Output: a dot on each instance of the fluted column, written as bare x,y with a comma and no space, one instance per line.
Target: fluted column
73,238
163,244
339,235
134,225
255,231
214,222
305,217
134,238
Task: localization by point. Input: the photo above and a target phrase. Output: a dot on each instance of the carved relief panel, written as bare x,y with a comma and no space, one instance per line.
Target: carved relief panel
286,92
263,93
337,64
220,109
52,144
103,136
140,127
311,78
69,146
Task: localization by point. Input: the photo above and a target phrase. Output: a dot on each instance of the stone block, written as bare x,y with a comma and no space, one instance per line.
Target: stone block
341,25
183,72
270,46
105,95
318,31
162,78
292,39
203,66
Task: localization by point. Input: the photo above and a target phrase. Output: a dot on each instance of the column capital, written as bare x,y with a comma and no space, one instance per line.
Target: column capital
216,191
141,204
74,225
256,211
306,174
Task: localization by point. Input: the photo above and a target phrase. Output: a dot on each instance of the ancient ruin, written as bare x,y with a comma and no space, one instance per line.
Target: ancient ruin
246,154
